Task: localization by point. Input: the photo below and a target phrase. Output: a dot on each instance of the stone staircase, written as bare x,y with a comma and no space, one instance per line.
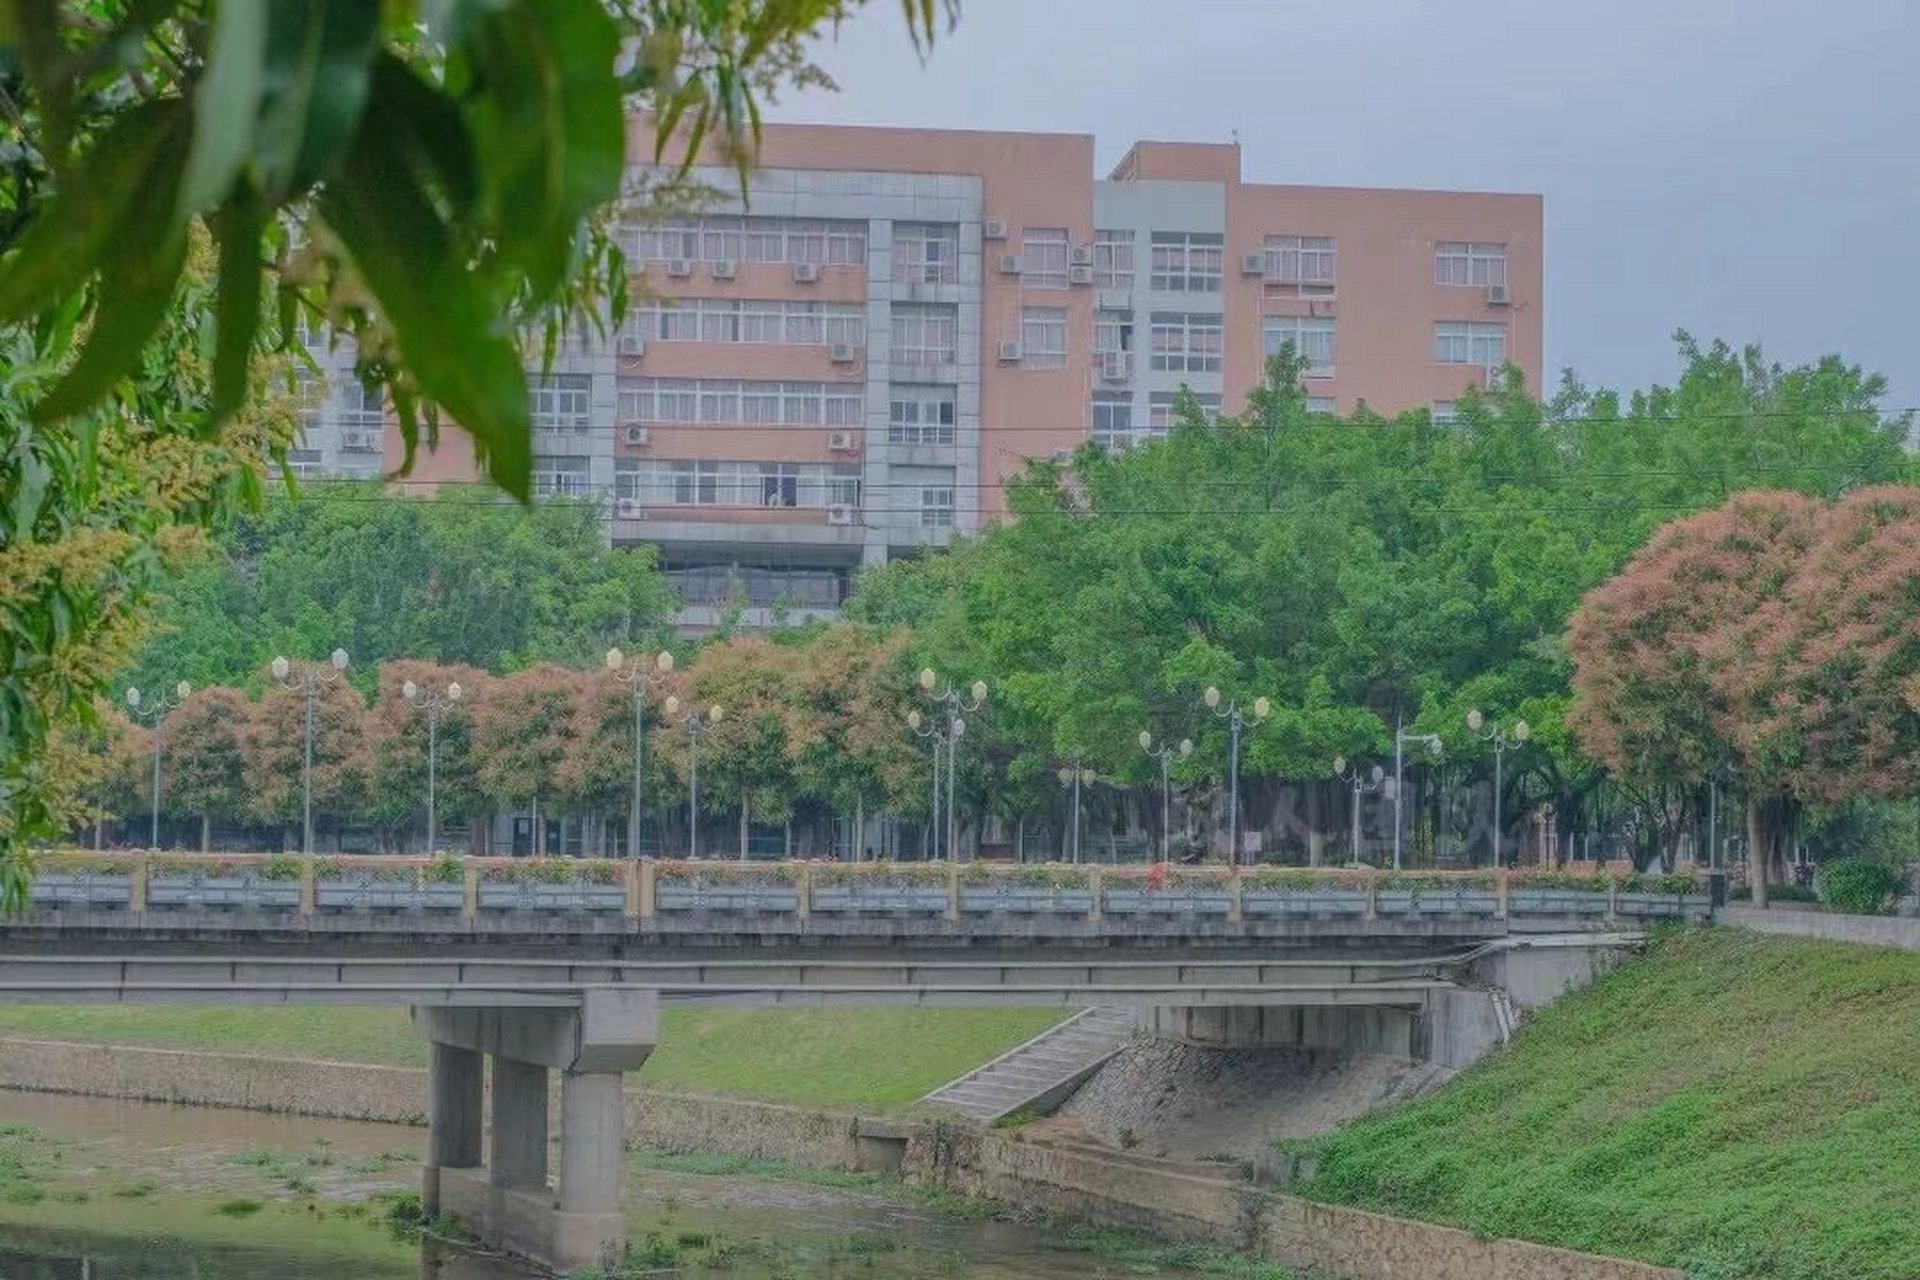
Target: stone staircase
1044,1070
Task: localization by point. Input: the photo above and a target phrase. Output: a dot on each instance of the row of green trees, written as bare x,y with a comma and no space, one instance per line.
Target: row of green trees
811,727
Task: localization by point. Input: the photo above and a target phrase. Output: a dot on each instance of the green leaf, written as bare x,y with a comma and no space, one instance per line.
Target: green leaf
64,243
226,104
319,55
444,322
236,307
139,270
30,490
430,129
549,127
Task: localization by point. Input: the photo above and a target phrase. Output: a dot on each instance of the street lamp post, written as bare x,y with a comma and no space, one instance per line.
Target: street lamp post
1362,783
1400,740
435,704
958,706
936,735
155,710
697,724
1074,775
1165,753
308,682
639,679
1502,738
1235,722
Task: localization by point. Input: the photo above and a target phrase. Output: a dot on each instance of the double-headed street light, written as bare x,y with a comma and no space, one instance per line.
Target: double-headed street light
697,724
1400,740
1502,737
639,677
1073,775
1166,753
939,735
958,706
1235,722
155,710
435,703
308,682
1363,782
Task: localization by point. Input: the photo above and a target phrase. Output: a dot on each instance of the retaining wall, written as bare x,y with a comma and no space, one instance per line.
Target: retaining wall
1833,926
1112,1188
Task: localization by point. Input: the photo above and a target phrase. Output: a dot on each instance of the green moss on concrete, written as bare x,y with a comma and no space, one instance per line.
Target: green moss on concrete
1733,1104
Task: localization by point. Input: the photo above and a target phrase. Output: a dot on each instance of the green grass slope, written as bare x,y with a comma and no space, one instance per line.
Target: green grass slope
1731,1104
854,1058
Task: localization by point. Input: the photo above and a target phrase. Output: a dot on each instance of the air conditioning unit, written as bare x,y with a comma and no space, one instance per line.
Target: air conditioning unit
356,441
628,509
725,269
1497,296
635,434
1253,264
842,353
1113,366
1081,256
1079,275
680,268
843,442
1008,264
806,273
632,344
993,229
839,513
1009,353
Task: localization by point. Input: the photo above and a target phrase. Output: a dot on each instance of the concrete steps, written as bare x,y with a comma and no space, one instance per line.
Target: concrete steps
1041,1071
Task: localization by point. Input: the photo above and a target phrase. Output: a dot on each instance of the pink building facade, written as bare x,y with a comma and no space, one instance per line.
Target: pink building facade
845,367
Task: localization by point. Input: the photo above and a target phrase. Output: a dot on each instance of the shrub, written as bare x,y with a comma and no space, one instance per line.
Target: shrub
445,869
1850,884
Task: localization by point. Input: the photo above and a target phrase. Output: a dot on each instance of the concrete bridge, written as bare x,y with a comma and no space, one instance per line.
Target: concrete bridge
563,968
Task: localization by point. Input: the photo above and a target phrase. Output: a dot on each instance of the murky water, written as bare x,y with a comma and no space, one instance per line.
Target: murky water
94,1189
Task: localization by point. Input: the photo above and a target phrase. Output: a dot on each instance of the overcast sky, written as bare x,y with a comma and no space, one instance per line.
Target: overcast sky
1746,169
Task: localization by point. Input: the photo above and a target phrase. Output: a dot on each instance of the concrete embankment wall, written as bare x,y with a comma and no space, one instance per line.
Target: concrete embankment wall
1832,926
1112,1188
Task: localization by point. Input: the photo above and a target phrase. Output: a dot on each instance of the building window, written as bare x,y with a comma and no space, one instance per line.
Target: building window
1113,259
1187,261
779,484
1043,337
727,402
1043,258
925,335
920,415
1321,404
1312,339
936,506
1463,342
1112,420
305,464
557,476
1160,409
560,401
772,240
842,486
926,253
704,483
1186,342
1445,413
768,322
1112,333
1307,261
1471,263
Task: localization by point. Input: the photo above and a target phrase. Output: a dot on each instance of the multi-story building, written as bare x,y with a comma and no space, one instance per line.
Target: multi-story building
846,366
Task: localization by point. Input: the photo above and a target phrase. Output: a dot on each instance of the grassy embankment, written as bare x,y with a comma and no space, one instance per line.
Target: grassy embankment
1731,1104
868,1058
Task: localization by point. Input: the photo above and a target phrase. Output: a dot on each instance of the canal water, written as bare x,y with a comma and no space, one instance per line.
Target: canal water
97,1189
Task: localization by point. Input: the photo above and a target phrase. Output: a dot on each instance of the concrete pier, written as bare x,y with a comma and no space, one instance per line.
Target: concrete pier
507,1202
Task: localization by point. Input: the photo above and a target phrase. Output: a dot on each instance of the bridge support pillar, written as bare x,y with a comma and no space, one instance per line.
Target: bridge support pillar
508,1203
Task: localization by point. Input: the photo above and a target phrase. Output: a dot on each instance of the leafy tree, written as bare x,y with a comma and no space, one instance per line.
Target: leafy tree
744,764
522,734
275,754
206,761
397,731
849,691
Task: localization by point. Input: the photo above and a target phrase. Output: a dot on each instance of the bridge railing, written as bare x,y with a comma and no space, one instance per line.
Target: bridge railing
646,889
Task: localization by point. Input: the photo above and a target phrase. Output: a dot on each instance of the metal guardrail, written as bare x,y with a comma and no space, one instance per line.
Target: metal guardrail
472,888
